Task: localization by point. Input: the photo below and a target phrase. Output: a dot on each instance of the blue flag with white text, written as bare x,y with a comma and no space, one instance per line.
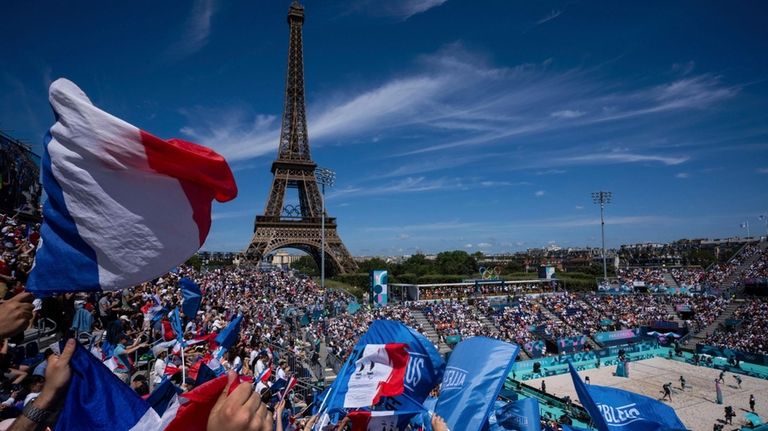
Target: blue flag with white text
520,415
472,380
192,297
619,410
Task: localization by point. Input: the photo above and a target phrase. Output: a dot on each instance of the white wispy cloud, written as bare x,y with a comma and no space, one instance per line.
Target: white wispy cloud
197,29
552,172
539,193
568,113
374,186
481,230
406,185
682,175
398,9
235,132
762,170
223,215
620,157
457,100
550,16
436,226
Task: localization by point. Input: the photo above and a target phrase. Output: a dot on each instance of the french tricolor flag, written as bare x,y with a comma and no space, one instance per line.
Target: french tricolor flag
123,205
379,372
374,421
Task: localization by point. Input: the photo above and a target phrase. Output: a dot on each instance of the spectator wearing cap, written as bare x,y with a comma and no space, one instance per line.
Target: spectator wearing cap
124,368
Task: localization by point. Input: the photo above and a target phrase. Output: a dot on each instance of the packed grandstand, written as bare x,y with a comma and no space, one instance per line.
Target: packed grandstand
292,327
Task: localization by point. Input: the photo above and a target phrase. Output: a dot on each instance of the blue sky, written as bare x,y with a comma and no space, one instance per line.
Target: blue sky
451,124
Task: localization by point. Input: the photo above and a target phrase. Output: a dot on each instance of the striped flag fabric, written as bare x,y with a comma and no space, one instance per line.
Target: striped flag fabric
82,410
292,382
123,206
379,372
363,420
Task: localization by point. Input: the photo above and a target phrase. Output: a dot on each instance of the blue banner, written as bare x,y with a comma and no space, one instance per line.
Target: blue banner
423,372
473,378
521,415
618,410
192,295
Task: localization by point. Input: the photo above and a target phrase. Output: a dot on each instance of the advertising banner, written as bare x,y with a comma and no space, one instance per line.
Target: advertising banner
623,336
571,344
379,291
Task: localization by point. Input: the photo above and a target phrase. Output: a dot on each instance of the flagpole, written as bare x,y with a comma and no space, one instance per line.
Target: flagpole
183,367
330,390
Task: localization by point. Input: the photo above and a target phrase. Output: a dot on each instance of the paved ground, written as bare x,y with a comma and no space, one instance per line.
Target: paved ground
695,406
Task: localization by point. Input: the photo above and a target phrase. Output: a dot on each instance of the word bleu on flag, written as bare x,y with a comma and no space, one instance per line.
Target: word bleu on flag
380,372
473,379
123,206
423,371
192,295
618,410
520,415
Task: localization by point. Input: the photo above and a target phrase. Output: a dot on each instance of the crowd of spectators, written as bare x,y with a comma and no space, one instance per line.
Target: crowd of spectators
287,317
648,276
454,317
758,268
751,331
579,316
482,289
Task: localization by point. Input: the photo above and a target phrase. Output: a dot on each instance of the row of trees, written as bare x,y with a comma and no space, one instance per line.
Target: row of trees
456,262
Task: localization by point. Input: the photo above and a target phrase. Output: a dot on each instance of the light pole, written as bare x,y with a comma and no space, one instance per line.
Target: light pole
602,198
764,218
325,177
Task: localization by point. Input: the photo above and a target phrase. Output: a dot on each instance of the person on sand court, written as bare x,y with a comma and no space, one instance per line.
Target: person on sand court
667,391
752,403
718,392
738,380
682,383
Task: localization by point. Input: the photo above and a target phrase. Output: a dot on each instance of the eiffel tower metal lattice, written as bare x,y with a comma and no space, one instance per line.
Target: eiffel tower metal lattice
297,226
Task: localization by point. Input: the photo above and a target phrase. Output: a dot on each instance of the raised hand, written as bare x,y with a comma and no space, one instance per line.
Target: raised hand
15,314
242,410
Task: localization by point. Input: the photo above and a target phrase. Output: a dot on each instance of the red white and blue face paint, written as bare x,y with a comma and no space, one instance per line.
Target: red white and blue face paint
123,206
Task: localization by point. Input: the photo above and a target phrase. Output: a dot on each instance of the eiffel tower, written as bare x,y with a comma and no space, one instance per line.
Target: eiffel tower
297,226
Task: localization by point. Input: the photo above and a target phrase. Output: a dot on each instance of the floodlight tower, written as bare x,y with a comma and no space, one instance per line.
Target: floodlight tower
325,177
602,198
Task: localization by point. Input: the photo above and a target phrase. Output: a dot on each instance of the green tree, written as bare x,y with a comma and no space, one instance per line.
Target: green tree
194,261
307,265
457,262
369,265
417,264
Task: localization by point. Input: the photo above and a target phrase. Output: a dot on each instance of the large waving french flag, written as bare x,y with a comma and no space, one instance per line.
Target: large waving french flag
379,372
123,205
